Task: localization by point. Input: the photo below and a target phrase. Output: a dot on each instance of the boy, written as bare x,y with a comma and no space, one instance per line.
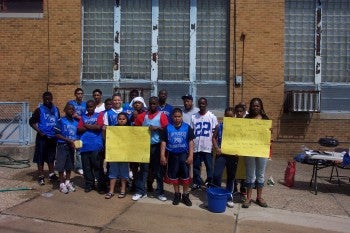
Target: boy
177,140
203,123
43,121
80,109
90,128
156,121
66,133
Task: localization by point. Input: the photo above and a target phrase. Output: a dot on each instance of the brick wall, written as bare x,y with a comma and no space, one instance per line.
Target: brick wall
41,54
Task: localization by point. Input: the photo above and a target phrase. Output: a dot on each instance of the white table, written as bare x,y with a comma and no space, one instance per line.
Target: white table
320,160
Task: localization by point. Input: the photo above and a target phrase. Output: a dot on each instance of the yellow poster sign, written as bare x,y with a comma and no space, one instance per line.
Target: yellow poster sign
246,137
127,144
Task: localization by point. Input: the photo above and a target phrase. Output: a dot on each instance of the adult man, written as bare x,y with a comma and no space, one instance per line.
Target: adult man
203,123
189,109
80,109
43,121
164,107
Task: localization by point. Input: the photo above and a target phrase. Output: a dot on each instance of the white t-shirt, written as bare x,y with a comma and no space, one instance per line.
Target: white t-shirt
187,115
203,127
100,108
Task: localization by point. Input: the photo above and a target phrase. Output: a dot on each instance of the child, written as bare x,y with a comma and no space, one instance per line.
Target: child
203,123
43,121
108,104
222,161
66,133
255,166
110,116
177,139
155,121
118,169
90,128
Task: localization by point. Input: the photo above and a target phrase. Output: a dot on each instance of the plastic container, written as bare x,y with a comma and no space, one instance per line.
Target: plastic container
217,199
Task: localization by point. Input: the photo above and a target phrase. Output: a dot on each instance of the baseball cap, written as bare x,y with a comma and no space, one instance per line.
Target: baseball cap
187,96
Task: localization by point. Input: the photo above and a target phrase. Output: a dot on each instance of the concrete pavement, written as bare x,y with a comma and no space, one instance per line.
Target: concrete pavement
296,209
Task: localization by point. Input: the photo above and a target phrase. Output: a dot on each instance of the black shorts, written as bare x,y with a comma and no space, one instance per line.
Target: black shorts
64,158
178,170
45,150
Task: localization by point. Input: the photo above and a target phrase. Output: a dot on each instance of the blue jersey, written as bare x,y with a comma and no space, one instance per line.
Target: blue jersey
167,110
79,108
67,128
48,120
220,134
92,140
155,135
177,138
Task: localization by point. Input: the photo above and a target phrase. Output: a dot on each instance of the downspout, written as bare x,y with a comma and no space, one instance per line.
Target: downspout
234,51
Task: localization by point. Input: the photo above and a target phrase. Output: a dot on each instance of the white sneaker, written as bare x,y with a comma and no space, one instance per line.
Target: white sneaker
80,171
63,188
70,186
138,196
162,198
230,204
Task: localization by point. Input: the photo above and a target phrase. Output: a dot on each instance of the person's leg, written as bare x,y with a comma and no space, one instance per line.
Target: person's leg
208,161
231,167
88,173
78,163
219,166
158,171
260,174
196,170
250,179
122,186
141,180
100,173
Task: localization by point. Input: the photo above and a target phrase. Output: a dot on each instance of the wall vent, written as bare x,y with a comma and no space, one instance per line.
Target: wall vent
302,101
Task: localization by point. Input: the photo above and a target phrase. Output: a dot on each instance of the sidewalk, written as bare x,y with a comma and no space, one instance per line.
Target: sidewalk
296,209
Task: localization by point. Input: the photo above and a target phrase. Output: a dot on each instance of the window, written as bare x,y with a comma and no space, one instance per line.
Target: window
21,8
302,48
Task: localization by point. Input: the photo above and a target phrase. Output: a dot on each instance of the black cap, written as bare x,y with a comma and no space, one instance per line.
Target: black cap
188,96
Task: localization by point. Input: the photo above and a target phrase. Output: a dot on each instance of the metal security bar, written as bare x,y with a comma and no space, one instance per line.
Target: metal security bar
14,123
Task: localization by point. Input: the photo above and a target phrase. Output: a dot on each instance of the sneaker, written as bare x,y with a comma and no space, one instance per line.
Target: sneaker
41,180
53,177
162,197
63,188
70,186
80,171
177,198
138,196
195,187
186,199
230,204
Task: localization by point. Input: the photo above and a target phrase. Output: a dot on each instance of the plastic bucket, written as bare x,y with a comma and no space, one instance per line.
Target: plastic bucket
217,199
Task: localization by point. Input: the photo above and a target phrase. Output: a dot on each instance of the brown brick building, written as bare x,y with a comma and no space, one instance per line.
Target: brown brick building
191,46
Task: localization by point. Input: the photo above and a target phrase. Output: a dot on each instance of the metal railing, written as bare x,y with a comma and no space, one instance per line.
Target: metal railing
14,123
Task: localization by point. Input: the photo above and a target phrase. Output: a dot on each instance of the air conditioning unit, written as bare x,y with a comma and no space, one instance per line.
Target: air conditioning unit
303,101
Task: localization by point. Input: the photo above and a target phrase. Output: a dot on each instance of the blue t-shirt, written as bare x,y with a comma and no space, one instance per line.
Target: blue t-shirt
48,120
167,110
92,139
67,128
80,108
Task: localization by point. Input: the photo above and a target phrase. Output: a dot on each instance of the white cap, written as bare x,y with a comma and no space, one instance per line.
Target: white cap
138,99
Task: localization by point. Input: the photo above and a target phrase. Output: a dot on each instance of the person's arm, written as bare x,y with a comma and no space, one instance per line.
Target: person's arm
34,120
215,141
81,128
99,124
162,153
189,159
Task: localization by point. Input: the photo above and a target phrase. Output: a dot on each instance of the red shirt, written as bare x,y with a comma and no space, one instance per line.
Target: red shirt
141,117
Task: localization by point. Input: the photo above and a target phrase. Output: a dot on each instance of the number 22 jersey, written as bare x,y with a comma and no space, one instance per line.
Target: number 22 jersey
203,127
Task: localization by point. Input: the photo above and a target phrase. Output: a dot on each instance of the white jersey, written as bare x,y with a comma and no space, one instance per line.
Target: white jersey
203,126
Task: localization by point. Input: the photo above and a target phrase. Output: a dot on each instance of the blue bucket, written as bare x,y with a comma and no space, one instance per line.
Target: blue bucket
217,199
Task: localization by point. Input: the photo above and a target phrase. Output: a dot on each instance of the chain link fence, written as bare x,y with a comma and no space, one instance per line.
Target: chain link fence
14,123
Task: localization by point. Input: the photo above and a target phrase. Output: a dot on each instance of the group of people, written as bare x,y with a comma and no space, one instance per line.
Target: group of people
181,140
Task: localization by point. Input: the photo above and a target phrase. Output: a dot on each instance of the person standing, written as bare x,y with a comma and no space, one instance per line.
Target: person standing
43,121
255,166
203,123
100,105
156,121
66,133
80,109
177,140
164,107
222,161
189,109
90,128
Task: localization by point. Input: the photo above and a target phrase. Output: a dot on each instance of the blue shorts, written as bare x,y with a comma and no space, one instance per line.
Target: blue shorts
45,150
118,170
178,170
64,158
